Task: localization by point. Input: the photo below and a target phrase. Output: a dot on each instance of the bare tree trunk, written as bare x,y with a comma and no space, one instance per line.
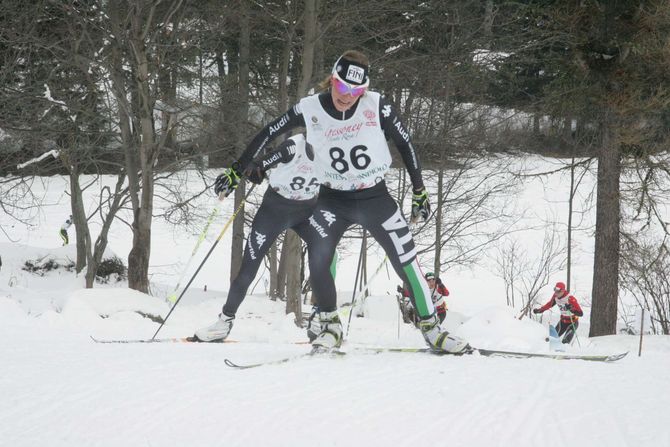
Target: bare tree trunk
281,270
138,258
606,258
277,275
570,205
79,219
293,283
293,242
488,23
132,31
95,252
438,221
273,270
237,248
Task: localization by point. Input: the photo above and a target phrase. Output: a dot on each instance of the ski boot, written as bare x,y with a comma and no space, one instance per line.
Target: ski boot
313,324
216,332
439,340
330,336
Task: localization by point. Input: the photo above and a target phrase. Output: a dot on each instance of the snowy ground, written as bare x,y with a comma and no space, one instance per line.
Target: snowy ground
59,388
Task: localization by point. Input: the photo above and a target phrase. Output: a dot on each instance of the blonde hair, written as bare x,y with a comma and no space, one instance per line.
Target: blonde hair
352,55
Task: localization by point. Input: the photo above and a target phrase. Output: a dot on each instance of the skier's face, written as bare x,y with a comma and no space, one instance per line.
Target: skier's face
344,95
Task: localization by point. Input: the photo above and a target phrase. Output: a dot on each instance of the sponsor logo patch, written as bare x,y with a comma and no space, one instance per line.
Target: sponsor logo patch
355,74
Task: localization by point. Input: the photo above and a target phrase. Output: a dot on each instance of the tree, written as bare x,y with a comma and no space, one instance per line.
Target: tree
138,40
601,65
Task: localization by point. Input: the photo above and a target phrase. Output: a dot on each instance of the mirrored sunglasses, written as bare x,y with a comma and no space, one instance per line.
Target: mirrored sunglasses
344,88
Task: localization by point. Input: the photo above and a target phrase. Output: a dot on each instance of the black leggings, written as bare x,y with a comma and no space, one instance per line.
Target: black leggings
376,211
568,329
275,215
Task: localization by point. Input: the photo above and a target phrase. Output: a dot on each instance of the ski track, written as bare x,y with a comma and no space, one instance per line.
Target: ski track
86,394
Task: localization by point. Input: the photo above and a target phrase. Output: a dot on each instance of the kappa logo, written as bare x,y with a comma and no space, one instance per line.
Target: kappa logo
260,239
386,110
329,217
319,229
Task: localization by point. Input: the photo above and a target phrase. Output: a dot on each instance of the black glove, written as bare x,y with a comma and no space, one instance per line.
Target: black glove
537,311
227,181
420,205
400,289
254,173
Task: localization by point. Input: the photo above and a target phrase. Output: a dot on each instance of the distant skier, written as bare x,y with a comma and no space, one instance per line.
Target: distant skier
438,294
63,230
570,311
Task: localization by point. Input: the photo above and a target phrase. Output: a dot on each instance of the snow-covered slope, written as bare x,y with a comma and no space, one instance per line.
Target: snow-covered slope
60,388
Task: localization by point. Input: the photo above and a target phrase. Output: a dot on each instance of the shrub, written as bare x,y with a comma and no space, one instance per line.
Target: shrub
111,268
42,266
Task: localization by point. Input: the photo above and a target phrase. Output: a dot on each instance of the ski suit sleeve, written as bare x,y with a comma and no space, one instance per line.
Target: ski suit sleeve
574,306
549,305
442,289
290,120
395,130
283,154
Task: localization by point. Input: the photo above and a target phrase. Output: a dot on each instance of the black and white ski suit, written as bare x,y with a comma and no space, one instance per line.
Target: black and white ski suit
351,157
287,203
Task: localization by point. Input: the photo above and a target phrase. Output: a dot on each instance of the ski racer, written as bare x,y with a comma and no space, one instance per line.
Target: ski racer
63,230
438,294
570,312
348,126
287,203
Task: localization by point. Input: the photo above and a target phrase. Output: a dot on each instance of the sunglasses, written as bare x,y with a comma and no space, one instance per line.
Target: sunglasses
344,88
556,289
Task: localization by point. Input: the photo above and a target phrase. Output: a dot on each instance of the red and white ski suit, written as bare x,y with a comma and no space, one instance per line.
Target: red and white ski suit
570,313
570,309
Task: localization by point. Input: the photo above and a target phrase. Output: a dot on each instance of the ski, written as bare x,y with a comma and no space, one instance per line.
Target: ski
493,352
190,339
312,353
381,349
555,356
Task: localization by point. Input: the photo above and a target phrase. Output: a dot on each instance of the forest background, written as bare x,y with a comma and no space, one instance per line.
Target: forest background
142,90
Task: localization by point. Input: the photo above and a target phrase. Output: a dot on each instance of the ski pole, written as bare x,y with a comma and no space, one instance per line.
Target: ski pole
363,290
574,329
230,221
171,298
358,270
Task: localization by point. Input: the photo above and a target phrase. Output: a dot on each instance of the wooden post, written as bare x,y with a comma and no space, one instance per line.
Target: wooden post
639,352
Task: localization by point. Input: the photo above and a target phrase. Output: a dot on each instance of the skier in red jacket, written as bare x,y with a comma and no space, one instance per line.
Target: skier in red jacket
438,293
570,311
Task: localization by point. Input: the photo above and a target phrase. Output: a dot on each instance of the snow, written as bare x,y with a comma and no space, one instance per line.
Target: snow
59,388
